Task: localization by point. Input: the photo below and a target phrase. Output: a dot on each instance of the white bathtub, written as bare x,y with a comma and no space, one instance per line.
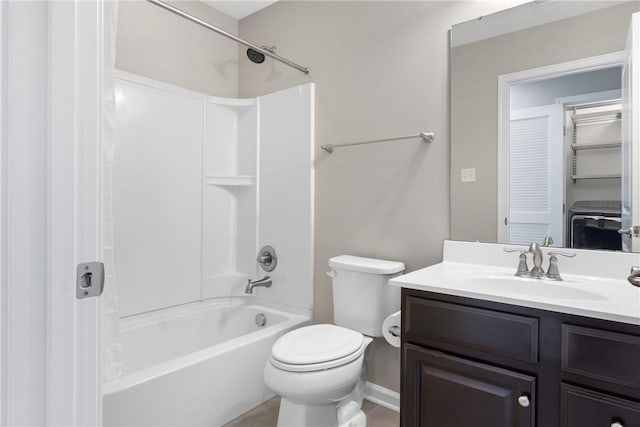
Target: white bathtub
195,365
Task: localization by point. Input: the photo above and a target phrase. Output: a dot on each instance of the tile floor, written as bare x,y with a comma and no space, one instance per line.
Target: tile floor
266,415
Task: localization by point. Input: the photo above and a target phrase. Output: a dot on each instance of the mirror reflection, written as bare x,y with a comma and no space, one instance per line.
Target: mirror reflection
537,119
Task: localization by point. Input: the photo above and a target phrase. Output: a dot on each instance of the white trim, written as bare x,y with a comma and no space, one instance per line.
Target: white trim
634,54
520,17
382,396
568,101
3,212
74,208
504,107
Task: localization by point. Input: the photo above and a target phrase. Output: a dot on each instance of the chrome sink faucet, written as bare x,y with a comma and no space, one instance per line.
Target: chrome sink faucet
538,258
265,282
537,271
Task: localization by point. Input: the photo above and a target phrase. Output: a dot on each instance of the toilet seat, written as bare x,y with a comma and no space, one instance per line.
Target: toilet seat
317,347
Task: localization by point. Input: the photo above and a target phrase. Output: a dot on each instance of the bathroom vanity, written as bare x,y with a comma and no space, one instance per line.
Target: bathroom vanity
481,347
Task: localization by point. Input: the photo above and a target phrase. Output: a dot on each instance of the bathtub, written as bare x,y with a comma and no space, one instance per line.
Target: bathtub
195,365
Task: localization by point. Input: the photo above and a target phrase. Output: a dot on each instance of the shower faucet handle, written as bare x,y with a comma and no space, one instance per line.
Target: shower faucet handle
267,258
264,258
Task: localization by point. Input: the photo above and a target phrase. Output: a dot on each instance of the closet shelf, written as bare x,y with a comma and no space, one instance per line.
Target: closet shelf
593,146
600,116
597,176
231,180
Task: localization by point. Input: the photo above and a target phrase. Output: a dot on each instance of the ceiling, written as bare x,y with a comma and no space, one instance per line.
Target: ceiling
239,8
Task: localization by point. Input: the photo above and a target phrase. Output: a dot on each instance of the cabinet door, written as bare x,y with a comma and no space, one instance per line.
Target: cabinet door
587,408
443,390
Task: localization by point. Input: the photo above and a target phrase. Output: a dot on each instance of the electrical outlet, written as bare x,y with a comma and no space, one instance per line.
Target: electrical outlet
468,175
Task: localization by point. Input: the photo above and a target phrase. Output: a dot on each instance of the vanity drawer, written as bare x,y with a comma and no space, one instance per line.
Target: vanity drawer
601,355
458,328
587,408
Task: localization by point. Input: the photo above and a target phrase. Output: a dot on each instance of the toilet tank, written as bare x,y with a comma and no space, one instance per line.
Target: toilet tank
362,297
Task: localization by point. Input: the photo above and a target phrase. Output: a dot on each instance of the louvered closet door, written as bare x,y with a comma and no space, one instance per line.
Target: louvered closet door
535,187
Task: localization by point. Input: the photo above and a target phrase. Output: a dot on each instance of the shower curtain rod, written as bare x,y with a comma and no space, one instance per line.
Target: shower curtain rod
222,32
426,136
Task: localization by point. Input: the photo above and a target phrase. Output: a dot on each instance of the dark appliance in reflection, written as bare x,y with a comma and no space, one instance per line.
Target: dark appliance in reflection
595,225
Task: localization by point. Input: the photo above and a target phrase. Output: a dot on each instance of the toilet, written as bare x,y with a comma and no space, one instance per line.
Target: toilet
319,371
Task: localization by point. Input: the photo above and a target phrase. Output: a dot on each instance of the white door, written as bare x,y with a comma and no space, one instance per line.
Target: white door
631,139
535,175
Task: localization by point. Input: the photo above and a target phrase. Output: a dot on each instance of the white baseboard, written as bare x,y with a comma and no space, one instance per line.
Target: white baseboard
382,396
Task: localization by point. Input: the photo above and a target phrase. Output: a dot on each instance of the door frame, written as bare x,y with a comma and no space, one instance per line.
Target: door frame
74,213
504,107
52,79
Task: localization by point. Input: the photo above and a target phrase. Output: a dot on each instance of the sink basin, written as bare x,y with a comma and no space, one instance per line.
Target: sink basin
508,284
534,288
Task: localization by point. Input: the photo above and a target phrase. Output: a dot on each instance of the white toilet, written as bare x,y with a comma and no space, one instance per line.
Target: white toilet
319,371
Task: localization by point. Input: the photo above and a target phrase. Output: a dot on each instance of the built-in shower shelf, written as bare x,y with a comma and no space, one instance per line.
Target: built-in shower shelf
232,102
231,180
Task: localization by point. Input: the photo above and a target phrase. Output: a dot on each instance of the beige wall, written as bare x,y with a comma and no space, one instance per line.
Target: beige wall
156,43
474,102
381,69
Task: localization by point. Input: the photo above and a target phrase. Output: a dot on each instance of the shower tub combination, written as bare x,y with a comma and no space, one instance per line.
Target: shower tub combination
198,364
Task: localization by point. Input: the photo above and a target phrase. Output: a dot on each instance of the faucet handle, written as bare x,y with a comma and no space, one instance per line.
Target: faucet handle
564,254
522,251
634,276
523,268
553,272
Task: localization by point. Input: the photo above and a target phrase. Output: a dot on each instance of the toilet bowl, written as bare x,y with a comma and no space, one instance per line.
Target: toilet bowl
319,371
313,369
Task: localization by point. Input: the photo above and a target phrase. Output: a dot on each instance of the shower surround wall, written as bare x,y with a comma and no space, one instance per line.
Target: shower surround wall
200,183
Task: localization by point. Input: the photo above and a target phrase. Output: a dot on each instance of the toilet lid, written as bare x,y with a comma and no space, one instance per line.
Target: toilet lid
316,344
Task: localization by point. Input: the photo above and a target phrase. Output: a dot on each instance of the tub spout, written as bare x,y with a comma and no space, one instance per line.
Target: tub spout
264,282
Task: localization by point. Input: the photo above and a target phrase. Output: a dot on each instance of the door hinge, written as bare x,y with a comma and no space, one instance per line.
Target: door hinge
89,279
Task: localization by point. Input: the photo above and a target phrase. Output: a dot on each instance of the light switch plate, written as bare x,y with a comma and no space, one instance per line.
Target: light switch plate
468,175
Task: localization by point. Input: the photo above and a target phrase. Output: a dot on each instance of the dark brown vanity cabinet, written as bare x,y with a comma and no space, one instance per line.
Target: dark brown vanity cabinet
474,363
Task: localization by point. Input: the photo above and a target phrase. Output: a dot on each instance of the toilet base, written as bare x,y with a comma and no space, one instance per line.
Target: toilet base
358,420
296,415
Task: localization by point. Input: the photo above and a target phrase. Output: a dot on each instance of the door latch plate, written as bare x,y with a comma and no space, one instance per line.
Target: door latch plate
89,280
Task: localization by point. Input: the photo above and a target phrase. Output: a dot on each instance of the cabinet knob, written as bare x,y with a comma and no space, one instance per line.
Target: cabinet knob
617,424
524,402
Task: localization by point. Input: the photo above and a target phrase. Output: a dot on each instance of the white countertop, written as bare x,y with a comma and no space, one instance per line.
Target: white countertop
466,272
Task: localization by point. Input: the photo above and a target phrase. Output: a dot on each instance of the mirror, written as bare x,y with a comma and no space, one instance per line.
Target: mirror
556,59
